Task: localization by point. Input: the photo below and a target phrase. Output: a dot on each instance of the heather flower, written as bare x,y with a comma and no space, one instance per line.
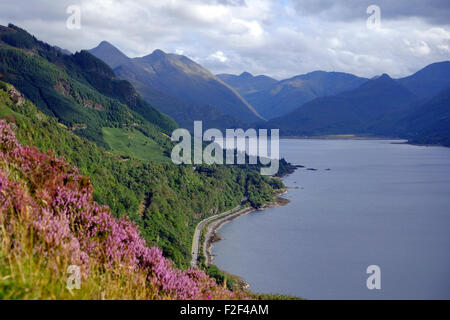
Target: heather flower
55,203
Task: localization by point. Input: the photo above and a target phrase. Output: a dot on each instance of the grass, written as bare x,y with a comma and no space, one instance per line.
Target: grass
27,276
6,113
131,142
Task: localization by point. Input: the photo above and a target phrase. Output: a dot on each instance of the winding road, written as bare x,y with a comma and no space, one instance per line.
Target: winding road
198,230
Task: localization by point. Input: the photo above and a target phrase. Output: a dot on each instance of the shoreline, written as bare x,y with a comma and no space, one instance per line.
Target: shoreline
341,137
212,228
355,137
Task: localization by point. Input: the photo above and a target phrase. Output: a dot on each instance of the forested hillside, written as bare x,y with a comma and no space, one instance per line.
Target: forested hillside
80,90
51,225
101,125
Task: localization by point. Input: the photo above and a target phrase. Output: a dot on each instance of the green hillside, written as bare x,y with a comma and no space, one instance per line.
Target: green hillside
165,200
79,90
100,124
133,143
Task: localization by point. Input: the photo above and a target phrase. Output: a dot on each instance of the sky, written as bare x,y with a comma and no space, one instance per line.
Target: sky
276,38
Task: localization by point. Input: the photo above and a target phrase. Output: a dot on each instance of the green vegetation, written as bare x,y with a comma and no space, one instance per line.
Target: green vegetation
51,226
79,90
264,296
99,123
222,278
165,200
133,143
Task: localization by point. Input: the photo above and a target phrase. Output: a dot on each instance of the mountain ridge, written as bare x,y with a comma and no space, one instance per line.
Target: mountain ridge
106,51
348,112
273,98
428,81
179,77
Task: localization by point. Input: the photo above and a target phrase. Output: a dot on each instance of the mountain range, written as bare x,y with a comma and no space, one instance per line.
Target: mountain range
315,103
180,87
347,112
379,107
272,98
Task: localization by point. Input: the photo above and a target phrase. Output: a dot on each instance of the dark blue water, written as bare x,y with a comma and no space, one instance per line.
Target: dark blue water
380,204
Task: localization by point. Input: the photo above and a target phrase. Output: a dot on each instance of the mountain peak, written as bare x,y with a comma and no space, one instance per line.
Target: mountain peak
246,75
109,54
158,53
105,43
382,83
384,76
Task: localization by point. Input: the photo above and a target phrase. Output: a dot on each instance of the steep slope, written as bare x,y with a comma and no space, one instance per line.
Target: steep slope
80,90
81,109
430,123
182,112
274,99
348,112
165,200
110,54
179,77
247,84
63,51
50,221
428,81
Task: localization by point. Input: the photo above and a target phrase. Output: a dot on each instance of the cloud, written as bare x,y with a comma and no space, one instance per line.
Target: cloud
277,38
218,55
433,11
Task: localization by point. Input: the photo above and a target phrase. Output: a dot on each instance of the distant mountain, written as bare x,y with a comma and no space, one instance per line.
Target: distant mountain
349,112
171,77
316,103
185,113
272,98
247,84
429,81
109,54
182,112
430,123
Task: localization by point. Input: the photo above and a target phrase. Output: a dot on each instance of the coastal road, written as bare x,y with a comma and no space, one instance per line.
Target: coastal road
198,230
218,220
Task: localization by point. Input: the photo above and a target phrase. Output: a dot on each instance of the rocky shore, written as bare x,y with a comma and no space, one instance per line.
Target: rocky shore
213,227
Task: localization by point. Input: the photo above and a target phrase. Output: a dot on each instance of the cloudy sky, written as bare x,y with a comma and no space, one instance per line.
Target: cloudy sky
277,38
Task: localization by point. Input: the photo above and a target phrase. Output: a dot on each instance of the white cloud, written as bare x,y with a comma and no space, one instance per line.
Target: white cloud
218,55
421,49
278,38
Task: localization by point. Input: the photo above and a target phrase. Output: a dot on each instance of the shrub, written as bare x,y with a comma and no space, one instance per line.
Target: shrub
49,220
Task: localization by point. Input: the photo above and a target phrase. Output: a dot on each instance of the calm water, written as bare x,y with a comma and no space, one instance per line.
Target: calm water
380,204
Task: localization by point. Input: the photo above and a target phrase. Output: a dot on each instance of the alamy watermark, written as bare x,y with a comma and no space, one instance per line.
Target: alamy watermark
239,145
374,20
73,22
374,280
74,279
